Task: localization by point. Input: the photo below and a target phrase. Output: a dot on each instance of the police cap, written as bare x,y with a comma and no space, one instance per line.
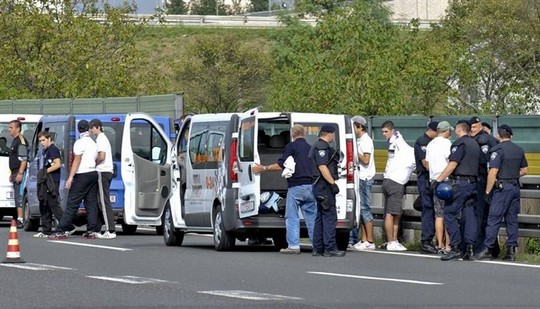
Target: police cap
328,128
506,128
432,125
485,124
474,120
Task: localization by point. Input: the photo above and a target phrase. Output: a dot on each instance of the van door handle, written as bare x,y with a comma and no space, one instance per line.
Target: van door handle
250,173
162,173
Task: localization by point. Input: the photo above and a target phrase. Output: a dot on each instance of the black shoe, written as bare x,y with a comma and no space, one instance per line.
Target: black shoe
510,254
428,248
453,254
317,253
334,253
484,255
496,250
20,224
469,252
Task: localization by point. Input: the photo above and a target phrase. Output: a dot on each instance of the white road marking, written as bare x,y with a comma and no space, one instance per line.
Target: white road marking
88,245
376,278
249,295
32,266
130,279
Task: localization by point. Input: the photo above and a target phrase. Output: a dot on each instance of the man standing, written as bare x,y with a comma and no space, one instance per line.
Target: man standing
437,153
366,172
82,185
17,166
299,193
104,167
481,209
325,174
48,184
399,167
507,164
426,196
463,171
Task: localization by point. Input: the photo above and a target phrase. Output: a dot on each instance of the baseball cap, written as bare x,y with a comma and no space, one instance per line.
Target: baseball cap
507,128
328,128
444,126
432,125
485,124
83,126
95,123
474,120
359,119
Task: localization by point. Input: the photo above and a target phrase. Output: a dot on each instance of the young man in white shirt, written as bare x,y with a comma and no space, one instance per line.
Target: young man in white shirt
437,153
104,167
366,172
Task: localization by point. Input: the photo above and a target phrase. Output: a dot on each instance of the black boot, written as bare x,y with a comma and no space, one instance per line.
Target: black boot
469,252
484,254
496,250
428,248
510,254
454,254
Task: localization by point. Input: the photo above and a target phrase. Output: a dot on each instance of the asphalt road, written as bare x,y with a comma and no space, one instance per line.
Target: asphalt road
139,271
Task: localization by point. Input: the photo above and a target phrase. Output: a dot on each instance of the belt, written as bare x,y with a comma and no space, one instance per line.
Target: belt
510,181
462,177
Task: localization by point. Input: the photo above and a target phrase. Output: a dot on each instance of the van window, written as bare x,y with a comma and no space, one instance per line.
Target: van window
182,141
27,129
57,132
147,143
205,144
247,138
312,130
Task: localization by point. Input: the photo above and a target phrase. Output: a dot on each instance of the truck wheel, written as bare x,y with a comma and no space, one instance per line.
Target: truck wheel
29,224
171,235
223,240
128,229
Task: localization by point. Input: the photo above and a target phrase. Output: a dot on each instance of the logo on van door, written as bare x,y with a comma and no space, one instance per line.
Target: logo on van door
210,182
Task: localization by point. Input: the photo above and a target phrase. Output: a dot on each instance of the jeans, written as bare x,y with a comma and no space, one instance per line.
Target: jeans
366,215
299,198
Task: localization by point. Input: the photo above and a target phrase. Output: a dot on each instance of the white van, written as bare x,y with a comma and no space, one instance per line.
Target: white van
206,184
28,122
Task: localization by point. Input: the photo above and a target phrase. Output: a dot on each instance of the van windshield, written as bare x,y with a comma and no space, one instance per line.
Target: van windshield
27,130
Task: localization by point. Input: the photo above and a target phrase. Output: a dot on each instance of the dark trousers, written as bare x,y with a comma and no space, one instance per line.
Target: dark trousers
83,187
104,185
504,204
47,209
428,210
324,231
462,205
481,210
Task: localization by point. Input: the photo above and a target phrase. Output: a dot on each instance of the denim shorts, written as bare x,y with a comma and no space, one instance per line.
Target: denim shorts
365,200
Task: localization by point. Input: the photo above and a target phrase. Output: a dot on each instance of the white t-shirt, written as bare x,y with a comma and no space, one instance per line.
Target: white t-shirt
437,152
86,147
400,163
103,145
365,145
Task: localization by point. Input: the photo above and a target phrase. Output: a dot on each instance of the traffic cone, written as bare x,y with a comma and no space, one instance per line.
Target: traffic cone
13,251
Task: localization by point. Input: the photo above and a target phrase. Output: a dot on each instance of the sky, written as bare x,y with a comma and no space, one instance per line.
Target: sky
143,6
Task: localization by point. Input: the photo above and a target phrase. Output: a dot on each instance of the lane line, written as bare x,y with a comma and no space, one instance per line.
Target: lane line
376,278
88,245
32,266
249,295
130,279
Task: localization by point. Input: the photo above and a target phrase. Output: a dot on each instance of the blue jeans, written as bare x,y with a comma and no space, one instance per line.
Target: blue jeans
299,198
366,215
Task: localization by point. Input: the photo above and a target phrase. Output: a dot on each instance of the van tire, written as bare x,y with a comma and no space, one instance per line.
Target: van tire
171,236
128,229
223,240
29,224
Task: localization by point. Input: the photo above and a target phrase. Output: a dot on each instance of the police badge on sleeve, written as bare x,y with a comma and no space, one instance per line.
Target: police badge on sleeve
322,153
493,156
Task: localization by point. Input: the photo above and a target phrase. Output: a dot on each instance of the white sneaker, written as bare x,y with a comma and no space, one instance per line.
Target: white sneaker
40,235
395,246
106,235
364,245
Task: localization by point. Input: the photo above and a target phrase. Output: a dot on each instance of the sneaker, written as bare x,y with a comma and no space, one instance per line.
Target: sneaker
72,231
350,247
20,224
364,246
289,251
41,235
395,246
89,235
58,236
106,235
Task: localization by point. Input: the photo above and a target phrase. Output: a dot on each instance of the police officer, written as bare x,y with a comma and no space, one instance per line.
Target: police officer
486,142
325,173
507,163
462,170
422,182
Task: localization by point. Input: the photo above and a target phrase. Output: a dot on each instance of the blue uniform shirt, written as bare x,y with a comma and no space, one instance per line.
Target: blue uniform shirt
299,150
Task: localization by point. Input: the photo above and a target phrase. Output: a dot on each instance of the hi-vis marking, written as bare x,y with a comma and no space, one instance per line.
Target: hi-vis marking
32,266
376,278
130,279
249,295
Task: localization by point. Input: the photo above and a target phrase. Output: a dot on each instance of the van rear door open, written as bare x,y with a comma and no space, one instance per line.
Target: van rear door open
148,180
250,189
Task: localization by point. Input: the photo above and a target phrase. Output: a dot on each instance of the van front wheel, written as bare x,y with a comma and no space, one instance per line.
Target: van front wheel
29,224
171,235
223,241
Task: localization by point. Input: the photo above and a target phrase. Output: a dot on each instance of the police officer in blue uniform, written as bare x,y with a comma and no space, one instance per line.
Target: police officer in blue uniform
486,142
462,170
422,182
325,173
507,163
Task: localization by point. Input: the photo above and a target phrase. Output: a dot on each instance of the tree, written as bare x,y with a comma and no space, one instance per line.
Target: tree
208,7
177,7
54,49
222,74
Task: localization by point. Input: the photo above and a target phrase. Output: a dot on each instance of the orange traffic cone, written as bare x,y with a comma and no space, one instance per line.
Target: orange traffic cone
13,251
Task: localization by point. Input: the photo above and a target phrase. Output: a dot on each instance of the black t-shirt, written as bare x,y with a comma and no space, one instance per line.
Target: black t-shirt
49,154
14,162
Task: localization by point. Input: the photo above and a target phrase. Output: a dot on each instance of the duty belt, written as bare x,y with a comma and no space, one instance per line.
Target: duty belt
469,179
509,181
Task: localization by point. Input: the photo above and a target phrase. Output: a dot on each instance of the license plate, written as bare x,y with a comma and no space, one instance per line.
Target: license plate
247,206
9,195
112,198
